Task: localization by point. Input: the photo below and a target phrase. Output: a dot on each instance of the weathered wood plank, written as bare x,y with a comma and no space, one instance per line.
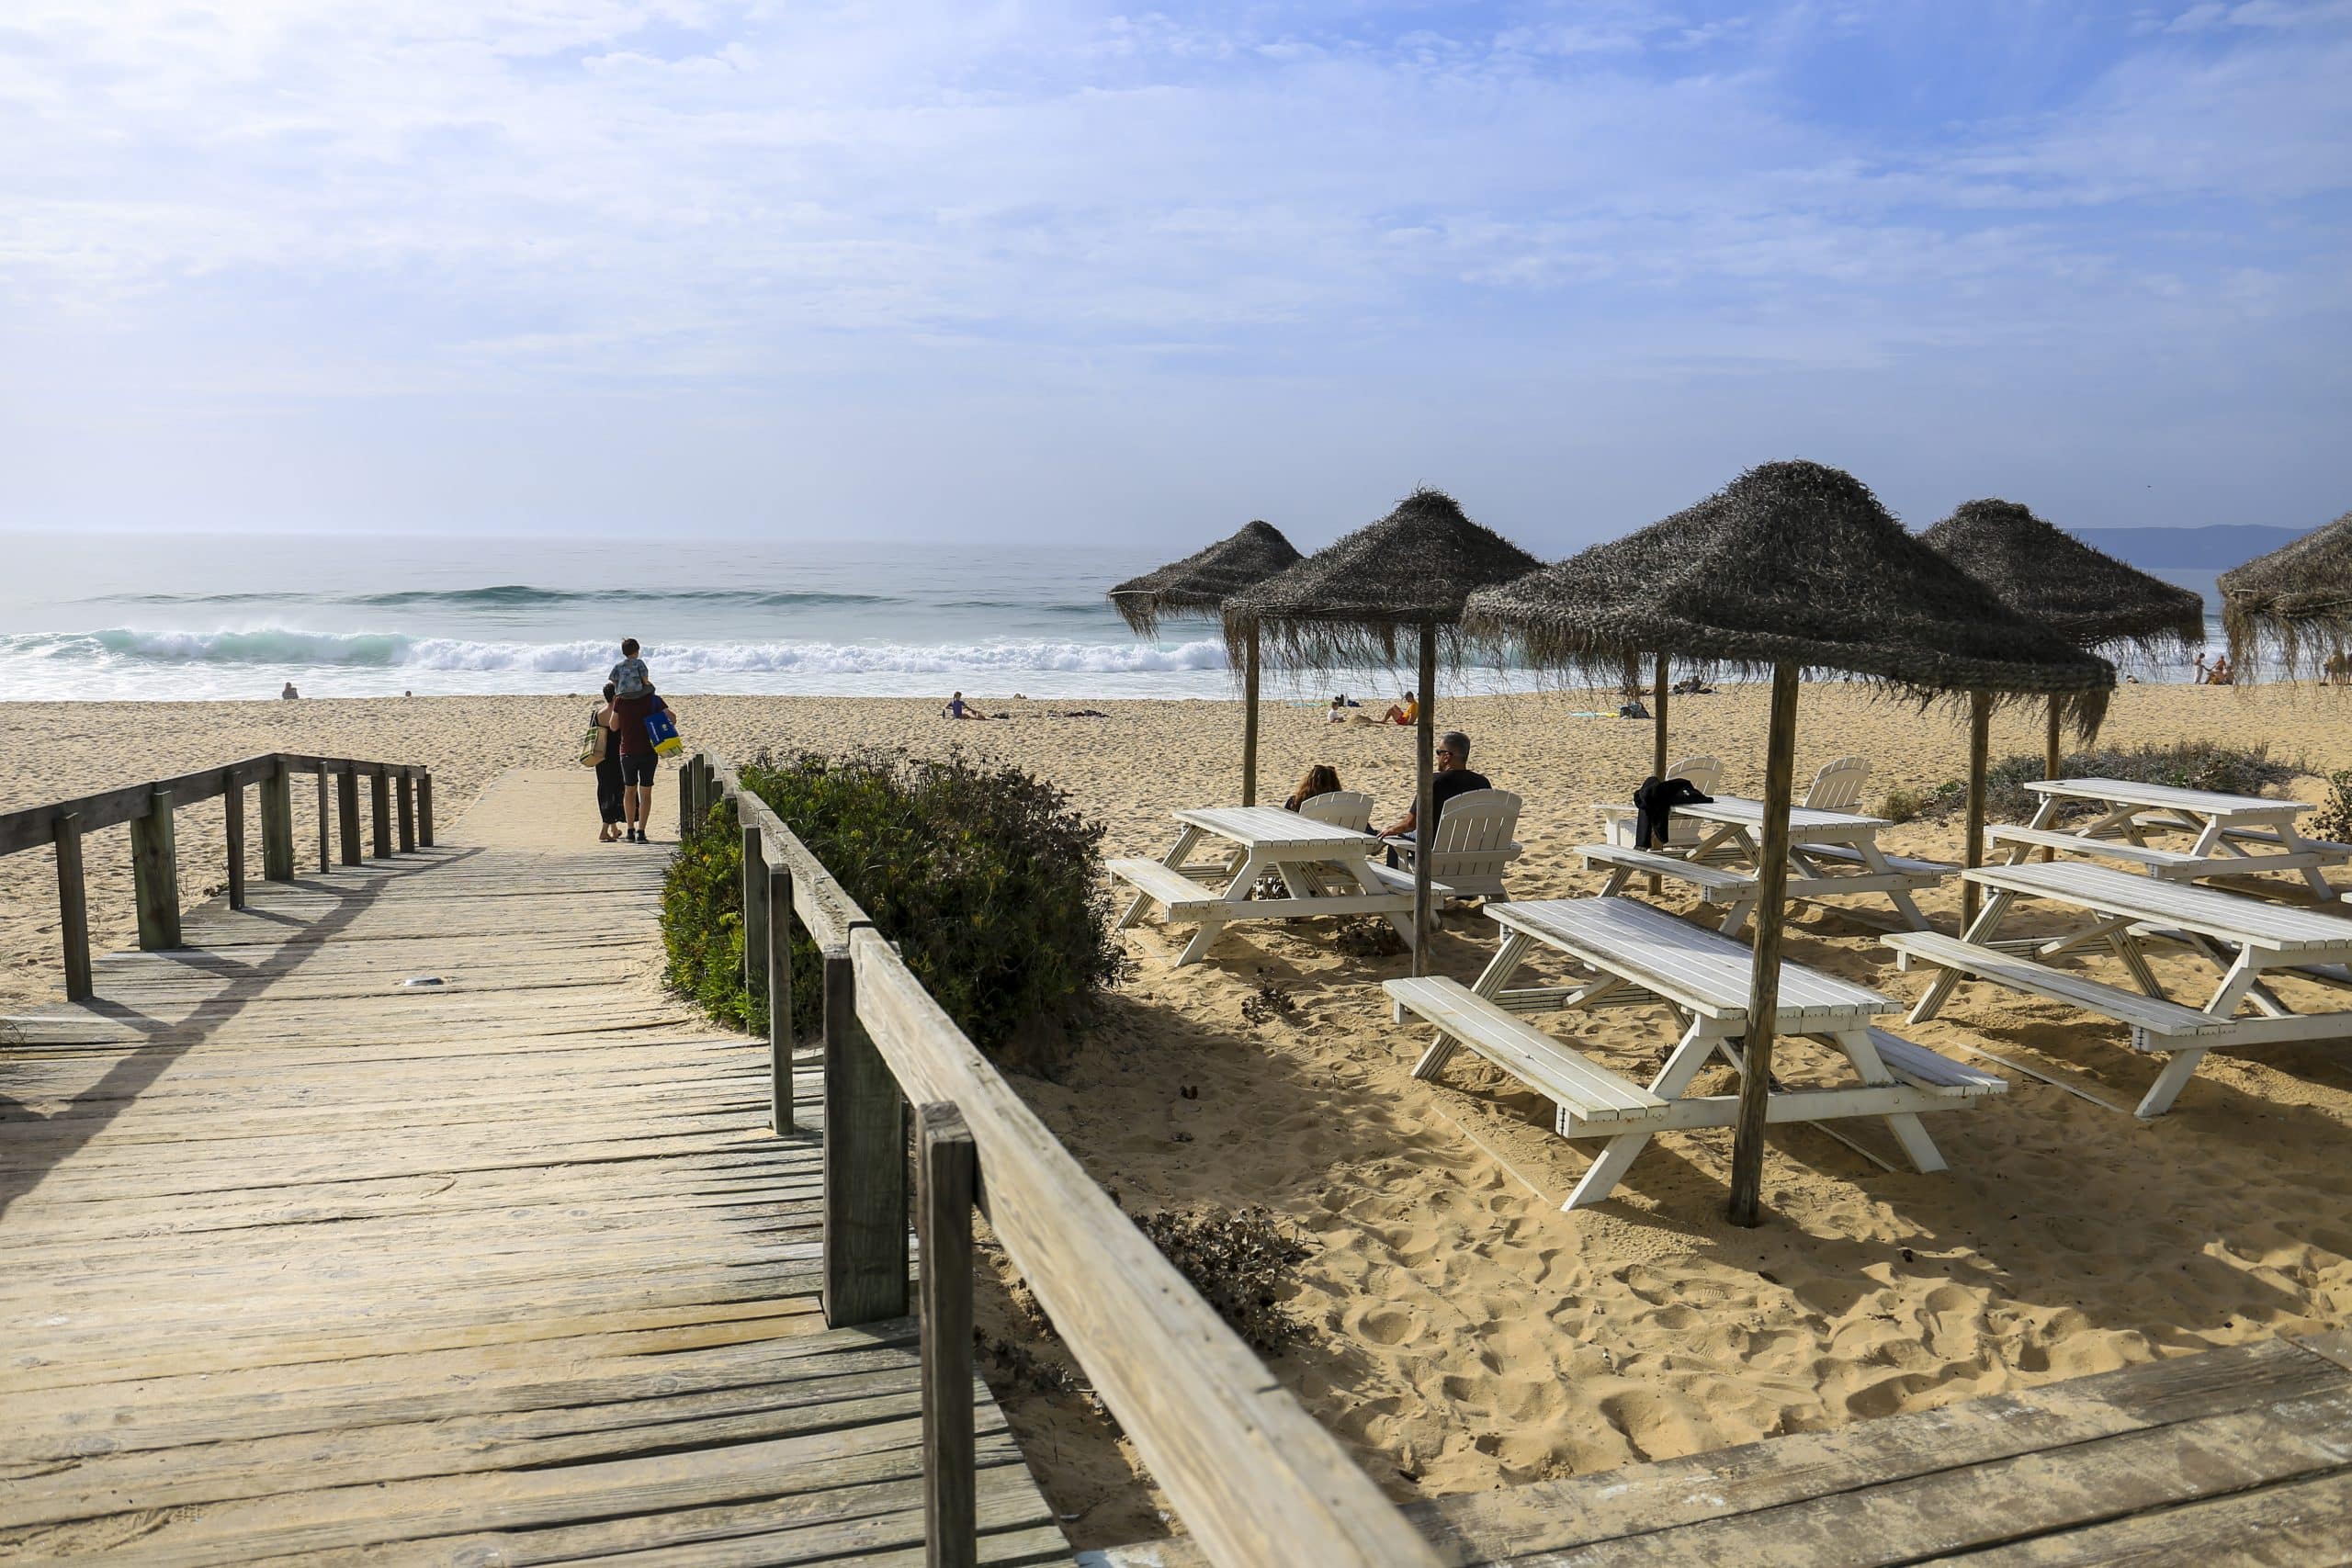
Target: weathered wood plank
155,874
72,907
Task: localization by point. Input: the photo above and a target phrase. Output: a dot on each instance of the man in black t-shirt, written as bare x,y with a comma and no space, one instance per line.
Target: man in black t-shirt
1454,777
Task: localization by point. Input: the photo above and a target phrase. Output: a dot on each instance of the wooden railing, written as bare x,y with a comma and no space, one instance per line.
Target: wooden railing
1255,1478
154,862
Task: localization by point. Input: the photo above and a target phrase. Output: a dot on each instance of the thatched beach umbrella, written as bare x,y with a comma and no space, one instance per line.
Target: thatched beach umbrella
1396,583
1199,585
1791,567
2296,599
2085,595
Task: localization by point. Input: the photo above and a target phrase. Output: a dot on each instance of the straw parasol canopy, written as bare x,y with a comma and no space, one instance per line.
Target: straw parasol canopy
1791,567
1792,563
1199,585
2048,575
2085,595
1203,581
2297,599
1364,599
1394,583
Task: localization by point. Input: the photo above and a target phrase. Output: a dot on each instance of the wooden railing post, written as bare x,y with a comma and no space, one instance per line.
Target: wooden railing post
756,910
408,815
945,1167
346,811
72,907
233,821
866,1164
379,802
425,808
327,817
278,824
779,889
155,874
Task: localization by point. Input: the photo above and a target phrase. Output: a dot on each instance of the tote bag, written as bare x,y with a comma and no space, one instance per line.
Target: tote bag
662,730
593,744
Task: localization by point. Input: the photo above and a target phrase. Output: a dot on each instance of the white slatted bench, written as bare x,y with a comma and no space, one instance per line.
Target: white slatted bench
1913,873
2154,1022
1561,1072
2177,865
1639,950
1715,884
1184,898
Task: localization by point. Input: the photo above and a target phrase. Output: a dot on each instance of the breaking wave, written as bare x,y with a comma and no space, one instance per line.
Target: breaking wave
389,650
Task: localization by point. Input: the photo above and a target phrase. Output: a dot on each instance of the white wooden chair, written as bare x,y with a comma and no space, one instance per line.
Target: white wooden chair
1346,808
1839,785
1618,817
1471,849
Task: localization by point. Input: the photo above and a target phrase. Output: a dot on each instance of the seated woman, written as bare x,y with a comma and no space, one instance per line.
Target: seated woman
1407,709
1320,779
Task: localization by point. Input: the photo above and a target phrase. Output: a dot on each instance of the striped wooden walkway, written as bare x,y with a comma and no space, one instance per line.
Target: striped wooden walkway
300,1261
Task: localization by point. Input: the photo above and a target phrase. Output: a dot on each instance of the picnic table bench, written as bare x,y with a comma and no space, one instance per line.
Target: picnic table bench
2243,938
2231,835
1324,870
1831,854
1642,954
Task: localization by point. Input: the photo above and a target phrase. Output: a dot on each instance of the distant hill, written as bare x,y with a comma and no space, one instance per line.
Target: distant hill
2215,547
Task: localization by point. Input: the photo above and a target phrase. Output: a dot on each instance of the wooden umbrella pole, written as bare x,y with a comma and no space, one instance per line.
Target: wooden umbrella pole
1250,723
1658,747
1764,983
1980,726
1425,802
2053,759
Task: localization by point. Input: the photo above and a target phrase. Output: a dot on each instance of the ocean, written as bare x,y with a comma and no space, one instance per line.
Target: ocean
183,617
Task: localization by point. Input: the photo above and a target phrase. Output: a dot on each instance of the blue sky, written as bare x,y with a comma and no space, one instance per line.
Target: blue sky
1066,272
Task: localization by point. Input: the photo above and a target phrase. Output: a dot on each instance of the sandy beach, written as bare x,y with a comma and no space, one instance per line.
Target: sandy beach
1466,1333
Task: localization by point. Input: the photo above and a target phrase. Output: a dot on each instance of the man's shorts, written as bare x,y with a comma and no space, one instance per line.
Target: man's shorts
638,767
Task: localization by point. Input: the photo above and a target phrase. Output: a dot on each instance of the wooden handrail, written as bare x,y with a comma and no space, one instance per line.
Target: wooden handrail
148,807
34,825
1255,1478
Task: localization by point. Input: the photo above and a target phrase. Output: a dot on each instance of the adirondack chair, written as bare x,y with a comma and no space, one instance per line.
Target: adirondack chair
1617,816
1839,785
1348,808
1471,849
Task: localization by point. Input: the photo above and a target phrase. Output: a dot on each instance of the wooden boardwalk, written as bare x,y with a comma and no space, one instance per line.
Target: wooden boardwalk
298,1260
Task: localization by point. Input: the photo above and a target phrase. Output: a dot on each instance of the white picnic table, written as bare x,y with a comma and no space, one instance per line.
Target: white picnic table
1642,955
2231,835
2244,939
1831,853
1324,870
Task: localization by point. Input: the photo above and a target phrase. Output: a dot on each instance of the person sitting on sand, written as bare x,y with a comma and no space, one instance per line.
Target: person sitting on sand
2220,675
959,708
1406,709
289,694
1320,779
1454,777
1338,712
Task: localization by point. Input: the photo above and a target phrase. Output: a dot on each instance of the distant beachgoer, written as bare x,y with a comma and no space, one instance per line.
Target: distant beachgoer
625,717
1454,777
1406,709
2204,674
608,772
629,677
2222,675
1320,779
1339,712
2338,668
289,694
959,708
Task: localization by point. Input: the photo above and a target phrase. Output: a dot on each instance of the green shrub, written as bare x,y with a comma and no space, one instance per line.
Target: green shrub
702,922
2190,764
2333,820
987,881
1902,805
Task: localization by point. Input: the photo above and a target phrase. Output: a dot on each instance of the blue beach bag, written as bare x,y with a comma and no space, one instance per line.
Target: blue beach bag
662,730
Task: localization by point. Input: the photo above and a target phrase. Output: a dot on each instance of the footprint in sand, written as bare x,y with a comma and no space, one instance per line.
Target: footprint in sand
1385,1324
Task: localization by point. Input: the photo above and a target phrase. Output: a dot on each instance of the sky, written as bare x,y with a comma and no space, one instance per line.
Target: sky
1044,273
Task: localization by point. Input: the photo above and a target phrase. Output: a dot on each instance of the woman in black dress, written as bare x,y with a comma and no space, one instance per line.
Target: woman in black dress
608,772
